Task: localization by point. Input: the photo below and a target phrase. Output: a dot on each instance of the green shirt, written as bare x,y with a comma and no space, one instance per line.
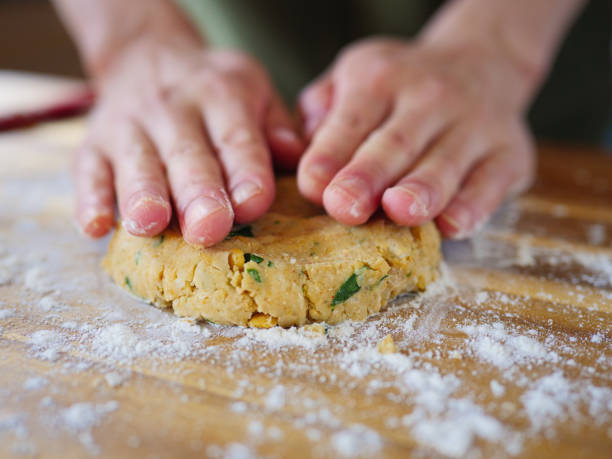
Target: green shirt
297,40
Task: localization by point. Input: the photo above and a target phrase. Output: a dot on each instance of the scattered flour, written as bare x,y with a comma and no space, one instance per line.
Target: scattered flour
48,304
115,379
596,234
275,400
84,416
524,256
6,313
497,389
505,349
357,441
443,413
35,383
481,297
231,451
8,269
35,279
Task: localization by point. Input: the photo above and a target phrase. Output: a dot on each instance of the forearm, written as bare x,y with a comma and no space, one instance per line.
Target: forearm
102,28
527,32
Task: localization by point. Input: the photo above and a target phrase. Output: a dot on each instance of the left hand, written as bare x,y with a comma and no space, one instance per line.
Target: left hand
427,131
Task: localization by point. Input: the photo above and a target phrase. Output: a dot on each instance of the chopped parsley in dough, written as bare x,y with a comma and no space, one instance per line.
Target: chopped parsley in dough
293,266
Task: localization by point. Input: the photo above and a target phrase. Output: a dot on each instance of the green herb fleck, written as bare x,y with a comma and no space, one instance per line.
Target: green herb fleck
254,274
270,264
210,322
252,257
137,257
128,282
346,290
159,241
349,288
409,273
240,230
380,280
312,254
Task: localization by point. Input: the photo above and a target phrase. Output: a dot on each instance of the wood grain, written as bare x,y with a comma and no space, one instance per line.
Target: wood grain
187,407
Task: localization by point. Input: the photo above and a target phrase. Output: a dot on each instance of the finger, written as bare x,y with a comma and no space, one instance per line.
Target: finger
203,208
314,104
354,193
426,190
490,182
142,191
95,199
354,114
238,138
285,143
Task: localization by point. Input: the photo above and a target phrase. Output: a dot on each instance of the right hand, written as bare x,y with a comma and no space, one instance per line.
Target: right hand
200,127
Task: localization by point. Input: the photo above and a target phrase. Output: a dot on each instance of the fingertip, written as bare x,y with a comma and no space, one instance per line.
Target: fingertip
312,179
207,220
250,199
147,215
96,223
348,200
456,221
407,205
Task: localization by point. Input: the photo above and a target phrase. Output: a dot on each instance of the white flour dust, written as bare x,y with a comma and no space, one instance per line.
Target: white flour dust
80,323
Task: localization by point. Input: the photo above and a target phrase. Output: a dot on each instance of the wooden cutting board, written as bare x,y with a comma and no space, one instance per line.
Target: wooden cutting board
509,355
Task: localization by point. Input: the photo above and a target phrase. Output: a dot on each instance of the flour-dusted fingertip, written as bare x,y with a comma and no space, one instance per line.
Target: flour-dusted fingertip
147,215
95,223
207,220
456,222
407,205
349,200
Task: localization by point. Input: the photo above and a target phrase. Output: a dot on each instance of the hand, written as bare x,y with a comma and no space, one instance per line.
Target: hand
426,131
184,123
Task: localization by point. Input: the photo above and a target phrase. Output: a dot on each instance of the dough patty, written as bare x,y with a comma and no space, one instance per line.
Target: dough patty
292,266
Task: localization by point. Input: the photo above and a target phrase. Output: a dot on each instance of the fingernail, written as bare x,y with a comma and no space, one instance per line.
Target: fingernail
200,209
320,172
420,200
95,222
355,191
146,214
245,191
461,222
451,222
285,134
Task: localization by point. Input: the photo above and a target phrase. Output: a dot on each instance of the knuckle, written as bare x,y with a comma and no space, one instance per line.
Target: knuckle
398,139
346,122
212,83
239,137
379,74
184,150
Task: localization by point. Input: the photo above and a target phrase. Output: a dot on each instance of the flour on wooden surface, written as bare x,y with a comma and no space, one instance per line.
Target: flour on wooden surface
109,334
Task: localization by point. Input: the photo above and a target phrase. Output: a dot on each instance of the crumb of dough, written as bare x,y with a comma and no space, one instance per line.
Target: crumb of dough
387,345
314,330
262,320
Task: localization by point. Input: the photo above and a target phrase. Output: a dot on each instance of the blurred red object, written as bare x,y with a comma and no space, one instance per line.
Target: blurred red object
27,99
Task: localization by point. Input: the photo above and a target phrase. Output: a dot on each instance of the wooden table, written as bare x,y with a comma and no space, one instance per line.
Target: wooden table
510,355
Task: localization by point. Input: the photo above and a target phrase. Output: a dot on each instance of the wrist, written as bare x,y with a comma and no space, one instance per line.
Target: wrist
522,35
103,30
106,58
493,49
